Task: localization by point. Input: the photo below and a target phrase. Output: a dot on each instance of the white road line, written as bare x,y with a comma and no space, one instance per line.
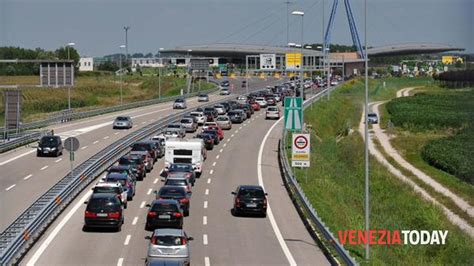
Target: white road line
237,131
278,234
27,177
16,157
206,261
142,204
116,133
127,240
204,220
204,239
120,262
83,148
232,135
205,204
225,144
211,172
206,192
58,228
228,140
135,220
214,164
217,157
44,167
149,191
209,180
239,128
221,150
106,137
95,142
10,187
144,122
58,160
156,181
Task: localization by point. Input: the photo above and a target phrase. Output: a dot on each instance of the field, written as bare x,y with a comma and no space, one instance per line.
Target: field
335,183
90,92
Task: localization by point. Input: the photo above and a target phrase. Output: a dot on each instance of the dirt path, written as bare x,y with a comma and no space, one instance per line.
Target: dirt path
388,148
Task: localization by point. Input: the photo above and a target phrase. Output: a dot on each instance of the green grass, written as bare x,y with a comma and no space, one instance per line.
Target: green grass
336,185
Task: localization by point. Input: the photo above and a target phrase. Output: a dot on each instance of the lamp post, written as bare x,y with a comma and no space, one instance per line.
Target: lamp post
126,28
301,14
189,70
120,74
326,52
70,44
366,134
159,72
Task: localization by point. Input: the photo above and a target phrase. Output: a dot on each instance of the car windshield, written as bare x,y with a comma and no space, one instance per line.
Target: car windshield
106,189
167,240
129,161
140,147
121,118
202,95
164,207
186,121
272,109
372,115
195,114
122,181
174,126
171,192
179,100
50,141
222,118
232,113
181,167
251,193
102,204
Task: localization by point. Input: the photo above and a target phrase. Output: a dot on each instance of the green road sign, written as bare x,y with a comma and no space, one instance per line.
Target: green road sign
293,113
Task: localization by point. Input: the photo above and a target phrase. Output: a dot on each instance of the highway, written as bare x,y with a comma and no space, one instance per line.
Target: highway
247,155
25,177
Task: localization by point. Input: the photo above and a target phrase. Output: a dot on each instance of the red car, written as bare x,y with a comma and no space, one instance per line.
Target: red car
219,130
255,106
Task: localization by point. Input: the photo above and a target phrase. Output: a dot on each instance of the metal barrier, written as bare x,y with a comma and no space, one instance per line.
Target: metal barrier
300,199
20,140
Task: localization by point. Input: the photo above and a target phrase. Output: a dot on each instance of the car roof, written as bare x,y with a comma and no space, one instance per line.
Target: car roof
250,187
103,195
166,201
168,232
177,176
108,184
116,175
121,167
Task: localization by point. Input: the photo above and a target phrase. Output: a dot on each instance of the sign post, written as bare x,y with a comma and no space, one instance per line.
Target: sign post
267,61
293,113
71,145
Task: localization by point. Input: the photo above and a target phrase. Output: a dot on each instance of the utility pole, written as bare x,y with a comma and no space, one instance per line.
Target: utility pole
366,134
288,21
126,28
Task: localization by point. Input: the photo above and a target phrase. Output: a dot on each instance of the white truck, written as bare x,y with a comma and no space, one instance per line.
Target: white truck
185,151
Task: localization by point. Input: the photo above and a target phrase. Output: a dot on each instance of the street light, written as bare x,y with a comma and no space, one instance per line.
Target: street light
301,14
159,72
189,70
70,44
120,74
366,134
308,47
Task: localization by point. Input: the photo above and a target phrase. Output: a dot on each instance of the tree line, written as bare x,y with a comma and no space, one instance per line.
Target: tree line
456,79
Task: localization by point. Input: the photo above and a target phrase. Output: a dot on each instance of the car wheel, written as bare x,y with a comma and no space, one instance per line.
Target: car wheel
186,213
119,228
148,227
235,212
125,205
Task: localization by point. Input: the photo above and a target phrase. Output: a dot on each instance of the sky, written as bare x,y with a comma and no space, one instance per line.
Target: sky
96,26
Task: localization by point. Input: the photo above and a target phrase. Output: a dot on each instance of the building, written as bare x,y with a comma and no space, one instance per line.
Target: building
178,61
86,64
449,59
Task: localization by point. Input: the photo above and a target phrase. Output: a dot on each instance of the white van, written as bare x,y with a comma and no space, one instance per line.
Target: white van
185,151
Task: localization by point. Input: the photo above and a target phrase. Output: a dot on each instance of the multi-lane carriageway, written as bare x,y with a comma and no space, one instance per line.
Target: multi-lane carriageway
247,155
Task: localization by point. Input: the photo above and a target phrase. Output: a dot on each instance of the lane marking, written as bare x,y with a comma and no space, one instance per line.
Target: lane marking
58,228
204,239
217,157
58,160
239,128
207,192
83,148
214,164
211,172
221,150
116,133
204,220
156,181
44,167
106,137
10,187
142,204
278,234
232,135
144,122
225,144
120,262
16,157
209,180
135,220
95,142
149,191
205,204
127,240
237,131
27,177
228,141
206,261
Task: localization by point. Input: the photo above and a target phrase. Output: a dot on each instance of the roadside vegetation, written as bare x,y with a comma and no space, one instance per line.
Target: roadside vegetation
335,183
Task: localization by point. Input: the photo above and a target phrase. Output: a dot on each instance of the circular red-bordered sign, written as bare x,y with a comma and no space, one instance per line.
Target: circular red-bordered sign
301,142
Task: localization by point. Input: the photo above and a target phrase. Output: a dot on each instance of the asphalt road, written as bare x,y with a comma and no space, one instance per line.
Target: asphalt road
219,237
25,177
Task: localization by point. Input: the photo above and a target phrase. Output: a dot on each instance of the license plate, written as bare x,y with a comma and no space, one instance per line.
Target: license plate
45,151
252,205
164,216
102,215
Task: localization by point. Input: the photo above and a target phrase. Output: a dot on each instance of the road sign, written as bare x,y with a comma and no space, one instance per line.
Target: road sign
267,61
293,61
12,103
293,113
300,151
71,144
56,74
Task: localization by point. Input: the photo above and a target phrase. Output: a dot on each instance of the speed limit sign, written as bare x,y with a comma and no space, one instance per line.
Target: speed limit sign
300,150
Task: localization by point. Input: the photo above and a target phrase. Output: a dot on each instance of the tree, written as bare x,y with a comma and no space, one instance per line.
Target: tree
108,66
62,53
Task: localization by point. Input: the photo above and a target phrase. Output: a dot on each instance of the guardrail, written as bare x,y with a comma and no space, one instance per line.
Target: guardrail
20,140
301,200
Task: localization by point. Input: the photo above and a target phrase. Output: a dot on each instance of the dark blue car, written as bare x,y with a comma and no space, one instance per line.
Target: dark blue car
125,180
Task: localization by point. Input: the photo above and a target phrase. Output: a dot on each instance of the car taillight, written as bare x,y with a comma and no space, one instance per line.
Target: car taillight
185,200
114,215
264,203
152,214
184,240
237,202
90,214
177,215
188,175
154,240
120,197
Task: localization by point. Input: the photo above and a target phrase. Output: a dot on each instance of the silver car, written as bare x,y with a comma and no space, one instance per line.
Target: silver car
169,243
224,91
177,127
373,118
189,124
203,98
199,116
180,104
220,109
224,122
123,122
180,181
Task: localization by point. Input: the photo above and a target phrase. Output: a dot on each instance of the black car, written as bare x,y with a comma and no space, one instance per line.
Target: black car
159,147
208,140
226,106
137,164
49,146
175,193
250,199
235,117
123,169
104,210
209,115
211,109
214,134
164,213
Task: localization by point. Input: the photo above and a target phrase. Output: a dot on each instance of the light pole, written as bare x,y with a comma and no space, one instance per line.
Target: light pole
69,87
120,74
126,28
366,133
326,52
189,70
301,14
159,72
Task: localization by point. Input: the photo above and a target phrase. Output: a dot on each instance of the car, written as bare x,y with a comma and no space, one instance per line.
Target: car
225,83
122,122
172,133
261,101
103,210
255,106
220,109
195,120
177,193
250,199
241,99
247,110
214,135
161,139
124,180
208,140
185,168
50,146
203,98
247,106
207,124
226,106
224,91
212,110
209,116
175,179
147,146
244,83
180,103
219,131
373,118
158,145
189,124
272,112
199,117
236,116
167,262
147,159
112,187
271,101
169,243
123,169
224,122
178,127
164,213
137,164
